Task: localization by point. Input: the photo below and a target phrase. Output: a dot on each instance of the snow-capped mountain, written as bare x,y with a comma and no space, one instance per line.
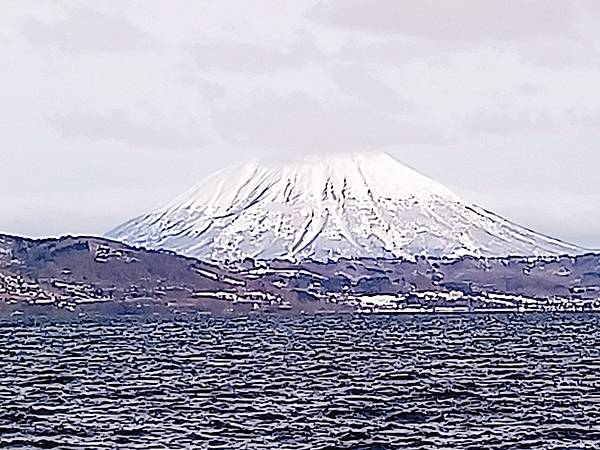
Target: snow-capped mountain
357,205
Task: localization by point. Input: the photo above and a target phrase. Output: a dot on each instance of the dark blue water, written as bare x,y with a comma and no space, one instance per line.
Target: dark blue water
468,382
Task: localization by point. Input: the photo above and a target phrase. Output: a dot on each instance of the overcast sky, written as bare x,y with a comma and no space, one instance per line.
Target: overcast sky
110,108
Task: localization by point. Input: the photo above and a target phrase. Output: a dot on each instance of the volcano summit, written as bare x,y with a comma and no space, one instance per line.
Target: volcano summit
320,208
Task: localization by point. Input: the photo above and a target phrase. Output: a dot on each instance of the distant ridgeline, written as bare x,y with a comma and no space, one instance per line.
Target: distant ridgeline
79,276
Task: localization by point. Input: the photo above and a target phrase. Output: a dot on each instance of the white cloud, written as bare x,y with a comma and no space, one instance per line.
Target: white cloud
268,120
119,126
87,31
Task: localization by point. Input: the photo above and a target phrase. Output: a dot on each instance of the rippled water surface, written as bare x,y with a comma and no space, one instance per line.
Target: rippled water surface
410,382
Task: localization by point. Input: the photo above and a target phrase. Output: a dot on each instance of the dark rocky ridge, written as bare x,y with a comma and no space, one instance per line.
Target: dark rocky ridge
77,274
84,275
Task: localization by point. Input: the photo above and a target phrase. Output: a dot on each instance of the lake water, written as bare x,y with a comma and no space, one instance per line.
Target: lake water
376,382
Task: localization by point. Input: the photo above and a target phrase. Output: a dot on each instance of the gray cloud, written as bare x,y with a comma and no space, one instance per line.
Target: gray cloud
529,89
209,90
370,91
511,122
441,19
120,127
240,56
534,121
390,50
559,51
301,122
87,31
585,118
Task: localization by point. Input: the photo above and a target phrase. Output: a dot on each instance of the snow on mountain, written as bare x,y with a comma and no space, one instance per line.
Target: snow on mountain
357,205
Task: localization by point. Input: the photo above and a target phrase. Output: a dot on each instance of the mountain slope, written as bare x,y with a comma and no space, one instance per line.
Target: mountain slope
358,205
95,275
